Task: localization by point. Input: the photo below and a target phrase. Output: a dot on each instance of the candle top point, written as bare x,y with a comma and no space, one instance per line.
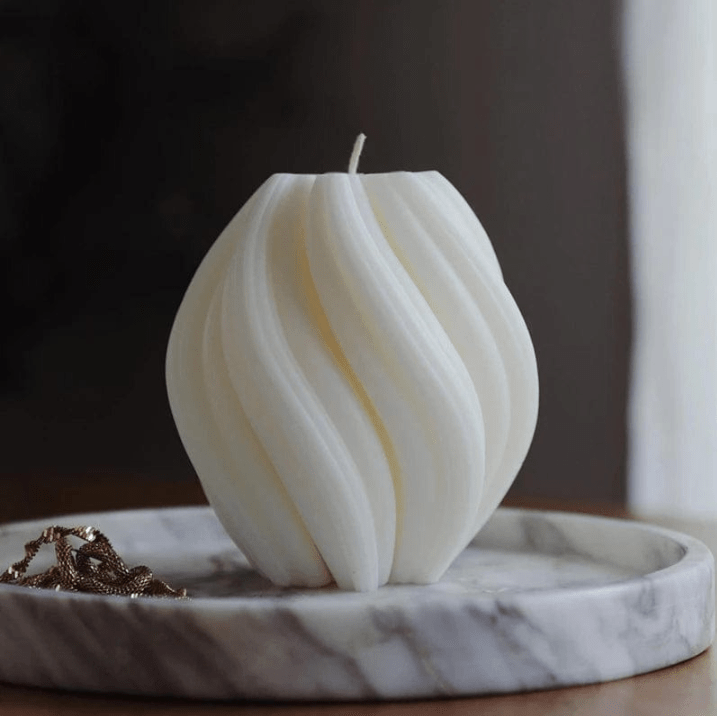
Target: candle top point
356,153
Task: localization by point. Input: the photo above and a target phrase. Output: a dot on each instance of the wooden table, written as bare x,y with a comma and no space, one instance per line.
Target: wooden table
688,689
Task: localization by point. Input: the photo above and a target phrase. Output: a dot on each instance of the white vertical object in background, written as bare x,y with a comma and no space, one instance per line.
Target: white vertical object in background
670,60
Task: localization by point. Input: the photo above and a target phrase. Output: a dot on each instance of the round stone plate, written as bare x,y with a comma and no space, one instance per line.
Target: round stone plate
538,600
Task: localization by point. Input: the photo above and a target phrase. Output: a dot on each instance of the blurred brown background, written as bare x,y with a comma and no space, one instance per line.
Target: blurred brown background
131,132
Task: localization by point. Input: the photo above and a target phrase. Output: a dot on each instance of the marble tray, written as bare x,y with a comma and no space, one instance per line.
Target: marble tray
538,600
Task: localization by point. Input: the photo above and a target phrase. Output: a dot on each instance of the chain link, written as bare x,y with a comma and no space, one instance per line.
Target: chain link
94,567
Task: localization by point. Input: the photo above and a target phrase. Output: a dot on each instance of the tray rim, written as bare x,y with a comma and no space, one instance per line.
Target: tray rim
694,552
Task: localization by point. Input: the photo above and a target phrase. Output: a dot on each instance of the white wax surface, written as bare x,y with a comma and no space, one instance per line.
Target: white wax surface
352,379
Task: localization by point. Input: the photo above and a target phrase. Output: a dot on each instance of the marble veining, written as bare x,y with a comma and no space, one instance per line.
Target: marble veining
538,600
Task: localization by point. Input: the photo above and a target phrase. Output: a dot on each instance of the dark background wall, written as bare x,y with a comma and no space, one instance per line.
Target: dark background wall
131,132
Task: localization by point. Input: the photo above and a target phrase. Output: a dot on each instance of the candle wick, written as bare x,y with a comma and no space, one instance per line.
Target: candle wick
358,146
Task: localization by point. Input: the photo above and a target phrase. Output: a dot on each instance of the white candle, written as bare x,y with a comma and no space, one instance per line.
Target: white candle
351,378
